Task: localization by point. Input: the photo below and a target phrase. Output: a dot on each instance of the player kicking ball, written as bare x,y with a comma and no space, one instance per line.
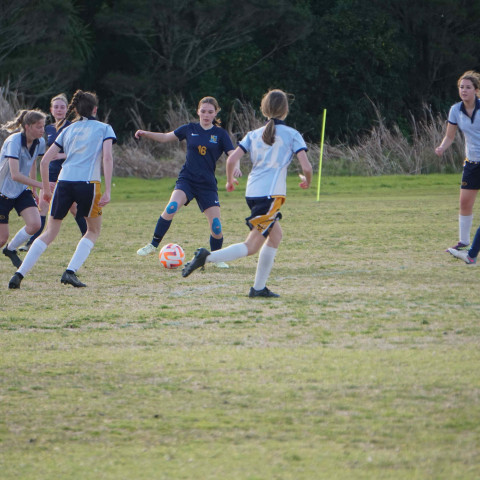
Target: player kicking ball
271,150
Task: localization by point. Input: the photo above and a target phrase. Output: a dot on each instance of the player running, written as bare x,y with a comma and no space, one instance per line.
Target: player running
87,144
271,150
18,170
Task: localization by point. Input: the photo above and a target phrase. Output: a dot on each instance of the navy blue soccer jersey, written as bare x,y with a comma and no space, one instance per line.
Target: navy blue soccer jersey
204,148
52,133
55,165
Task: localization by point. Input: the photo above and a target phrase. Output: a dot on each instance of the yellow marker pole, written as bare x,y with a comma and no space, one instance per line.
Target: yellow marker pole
321,154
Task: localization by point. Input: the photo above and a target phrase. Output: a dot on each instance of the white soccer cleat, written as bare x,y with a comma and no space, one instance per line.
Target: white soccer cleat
221,265
462,255
146,250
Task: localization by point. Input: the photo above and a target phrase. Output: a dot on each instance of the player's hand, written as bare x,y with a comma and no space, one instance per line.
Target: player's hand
230,186
303,184
104,200
237,172
47,195
139,133
52,186
439,151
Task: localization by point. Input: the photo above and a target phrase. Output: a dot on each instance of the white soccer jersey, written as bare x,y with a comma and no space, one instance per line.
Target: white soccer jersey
270,162
470,128
82,142
15,146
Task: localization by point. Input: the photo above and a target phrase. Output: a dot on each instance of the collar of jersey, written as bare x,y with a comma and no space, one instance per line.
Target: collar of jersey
477,107
24,141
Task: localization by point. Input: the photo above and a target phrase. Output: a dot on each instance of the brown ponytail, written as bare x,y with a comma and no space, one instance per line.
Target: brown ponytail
24,117
268,135
274,105
82,104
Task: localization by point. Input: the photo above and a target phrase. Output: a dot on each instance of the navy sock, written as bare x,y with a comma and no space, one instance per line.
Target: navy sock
475,248
215,243
82,224
39,231
160,230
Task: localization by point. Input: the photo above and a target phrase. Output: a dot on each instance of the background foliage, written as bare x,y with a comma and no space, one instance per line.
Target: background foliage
342,55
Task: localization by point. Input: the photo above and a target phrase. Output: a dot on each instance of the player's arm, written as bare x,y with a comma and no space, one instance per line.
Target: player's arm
306,178
47,158
233,162
60,156
236,169
156,136
19,177
33,176
107,171
447,140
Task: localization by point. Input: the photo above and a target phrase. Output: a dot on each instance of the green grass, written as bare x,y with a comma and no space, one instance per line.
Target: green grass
366,367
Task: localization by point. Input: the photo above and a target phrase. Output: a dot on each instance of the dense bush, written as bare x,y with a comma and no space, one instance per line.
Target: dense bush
380,151
333,55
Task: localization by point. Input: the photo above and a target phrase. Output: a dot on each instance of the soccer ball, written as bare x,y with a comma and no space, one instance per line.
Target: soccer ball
171,255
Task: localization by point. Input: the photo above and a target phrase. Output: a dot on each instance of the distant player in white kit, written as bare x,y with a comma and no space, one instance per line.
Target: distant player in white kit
87,143
271,150
465,116
18,169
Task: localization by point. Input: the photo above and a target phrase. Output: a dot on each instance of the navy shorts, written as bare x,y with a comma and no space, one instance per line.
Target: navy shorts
471,175
205,198
85,194
265,212
23,201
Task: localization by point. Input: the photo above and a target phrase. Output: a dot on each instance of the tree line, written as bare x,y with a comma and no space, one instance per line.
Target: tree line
351,57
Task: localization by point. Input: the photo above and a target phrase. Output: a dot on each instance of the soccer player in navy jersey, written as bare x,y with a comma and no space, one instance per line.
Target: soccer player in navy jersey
206,142
18,171
58,110
87,144
271,150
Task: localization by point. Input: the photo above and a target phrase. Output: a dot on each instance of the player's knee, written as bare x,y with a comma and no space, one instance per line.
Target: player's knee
216,226
43,207
3,239
33,227
172,207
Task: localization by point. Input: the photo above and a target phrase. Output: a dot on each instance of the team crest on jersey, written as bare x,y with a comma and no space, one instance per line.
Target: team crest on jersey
213,139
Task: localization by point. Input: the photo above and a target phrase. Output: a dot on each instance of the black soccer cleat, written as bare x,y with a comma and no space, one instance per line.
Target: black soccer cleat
264,292
12,255
196,262
70,278
15,280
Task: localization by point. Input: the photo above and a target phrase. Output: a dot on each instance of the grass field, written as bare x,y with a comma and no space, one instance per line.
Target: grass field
365,368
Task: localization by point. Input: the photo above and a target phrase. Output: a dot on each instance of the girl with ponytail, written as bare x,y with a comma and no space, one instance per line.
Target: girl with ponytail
271,150
87,144
18,170
58,110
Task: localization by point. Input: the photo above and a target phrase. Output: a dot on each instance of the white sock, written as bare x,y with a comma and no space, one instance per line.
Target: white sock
82,252
33,254
266,258
464,227
227,254
21,237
